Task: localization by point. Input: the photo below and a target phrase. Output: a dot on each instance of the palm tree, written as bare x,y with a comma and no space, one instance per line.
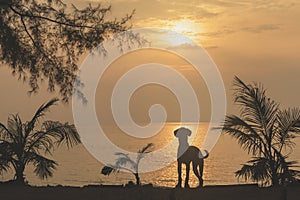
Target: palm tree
266,132
124,162
22,143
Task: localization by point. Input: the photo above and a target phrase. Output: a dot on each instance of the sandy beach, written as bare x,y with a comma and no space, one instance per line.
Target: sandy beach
245,192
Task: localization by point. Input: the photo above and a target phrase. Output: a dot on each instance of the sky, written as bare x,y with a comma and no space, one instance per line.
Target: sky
257,40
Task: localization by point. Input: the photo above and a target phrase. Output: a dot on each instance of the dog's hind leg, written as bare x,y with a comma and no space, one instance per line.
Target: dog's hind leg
201,165
197,173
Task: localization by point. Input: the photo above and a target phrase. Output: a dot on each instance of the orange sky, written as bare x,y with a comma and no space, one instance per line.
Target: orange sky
256,40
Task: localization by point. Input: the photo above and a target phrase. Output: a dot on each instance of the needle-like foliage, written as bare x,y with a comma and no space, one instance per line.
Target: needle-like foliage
43,40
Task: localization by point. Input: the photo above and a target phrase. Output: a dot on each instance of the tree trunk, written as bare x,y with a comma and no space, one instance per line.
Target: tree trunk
137,178
275,180
20,178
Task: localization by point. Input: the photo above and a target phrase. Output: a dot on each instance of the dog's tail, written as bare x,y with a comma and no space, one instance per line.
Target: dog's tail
203,154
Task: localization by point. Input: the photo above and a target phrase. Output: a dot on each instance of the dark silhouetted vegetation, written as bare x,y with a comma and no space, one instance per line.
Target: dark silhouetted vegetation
42,40
125,163
266,132
22,143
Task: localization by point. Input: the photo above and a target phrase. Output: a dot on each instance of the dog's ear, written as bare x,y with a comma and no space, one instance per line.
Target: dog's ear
188,132
175,132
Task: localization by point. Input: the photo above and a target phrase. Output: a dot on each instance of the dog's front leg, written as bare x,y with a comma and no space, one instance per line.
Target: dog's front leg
179,174
187,177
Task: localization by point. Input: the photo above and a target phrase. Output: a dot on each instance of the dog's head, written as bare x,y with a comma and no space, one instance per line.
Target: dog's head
182,132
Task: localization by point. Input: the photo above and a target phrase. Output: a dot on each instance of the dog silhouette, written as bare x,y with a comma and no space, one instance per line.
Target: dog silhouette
189,154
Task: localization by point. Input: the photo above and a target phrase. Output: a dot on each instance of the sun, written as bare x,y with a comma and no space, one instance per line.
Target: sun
181,32
184,26
187,27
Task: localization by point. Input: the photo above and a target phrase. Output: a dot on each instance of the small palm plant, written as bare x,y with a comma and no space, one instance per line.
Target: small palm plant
266,132
23,143
124,162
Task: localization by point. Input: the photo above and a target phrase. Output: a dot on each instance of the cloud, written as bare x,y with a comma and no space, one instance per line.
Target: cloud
262,28
185,46
273,5
211,47
188,46
219,33
251,29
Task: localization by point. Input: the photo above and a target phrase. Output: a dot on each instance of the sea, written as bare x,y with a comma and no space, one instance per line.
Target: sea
77,167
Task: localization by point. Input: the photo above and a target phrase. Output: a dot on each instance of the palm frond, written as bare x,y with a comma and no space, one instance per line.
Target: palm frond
237,122
6,156
256,108
19,127
40,141
124,160
63,133
38,114
21,143
256,170
282,163
54,132
142,152
123,155
5,134
44,167
264,131
15,127
107,170
286,171
4,166
146,149
246,136
287,128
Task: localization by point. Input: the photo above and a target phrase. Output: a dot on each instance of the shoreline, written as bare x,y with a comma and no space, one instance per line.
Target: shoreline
119,192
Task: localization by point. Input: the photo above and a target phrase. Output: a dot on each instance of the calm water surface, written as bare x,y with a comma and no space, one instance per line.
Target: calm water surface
78,168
